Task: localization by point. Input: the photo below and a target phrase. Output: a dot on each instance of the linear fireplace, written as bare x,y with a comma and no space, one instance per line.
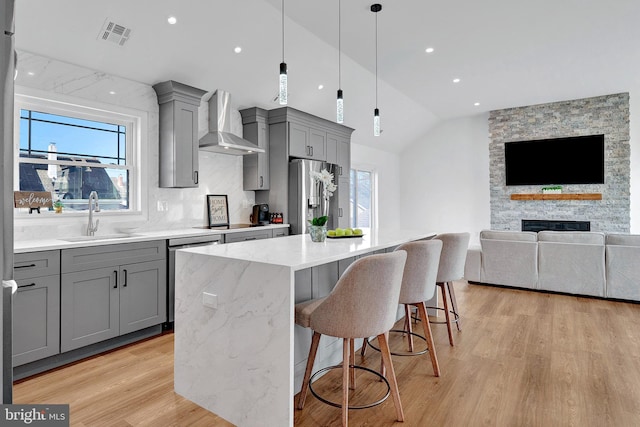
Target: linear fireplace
555,225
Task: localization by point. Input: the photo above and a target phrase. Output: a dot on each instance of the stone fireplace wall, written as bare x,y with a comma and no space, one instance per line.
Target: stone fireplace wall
608,115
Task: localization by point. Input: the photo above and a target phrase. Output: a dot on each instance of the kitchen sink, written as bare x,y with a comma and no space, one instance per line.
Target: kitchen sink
99,237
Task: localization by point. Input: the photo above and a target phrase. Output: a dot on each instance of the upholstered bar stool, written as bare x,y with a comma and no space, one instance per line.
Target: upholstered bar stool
418,286
451,267
362,304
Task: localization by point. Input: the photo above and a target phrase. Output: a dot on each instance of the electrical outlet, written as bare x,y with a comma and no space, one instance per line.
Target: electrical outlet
209,300
162,206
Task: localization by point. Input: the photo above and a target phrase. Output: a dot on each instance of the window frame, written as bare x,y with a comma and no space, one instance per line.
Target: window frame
135,122
372,170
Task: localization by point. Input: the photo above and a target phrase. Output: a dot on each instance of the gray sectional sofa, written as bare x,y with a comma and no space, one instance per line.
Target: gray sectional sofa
581,263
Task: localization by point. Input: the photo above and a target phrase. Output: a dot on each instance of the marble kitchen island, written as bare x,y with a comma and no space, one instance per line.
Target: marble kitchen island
234,321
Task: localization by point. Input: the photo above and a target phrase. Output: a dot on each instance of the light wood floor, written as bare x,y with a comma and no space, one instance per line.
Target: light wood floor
522,359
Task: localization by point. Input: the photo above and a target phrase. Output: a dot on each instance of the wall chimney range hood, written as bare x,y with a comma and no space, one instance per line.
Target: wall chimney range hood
220,139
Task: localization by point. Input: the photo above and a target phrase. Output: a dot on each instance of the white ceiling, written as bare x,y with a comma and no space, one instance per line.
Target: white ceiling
507,53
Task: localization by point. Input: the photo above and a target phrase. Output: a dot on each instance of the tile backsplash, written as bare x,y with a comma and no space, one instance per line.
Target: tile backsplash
185,207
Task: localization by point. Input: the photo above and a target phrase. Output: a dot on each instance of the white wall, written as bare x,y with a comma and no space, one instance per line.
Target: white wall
387,167
445,178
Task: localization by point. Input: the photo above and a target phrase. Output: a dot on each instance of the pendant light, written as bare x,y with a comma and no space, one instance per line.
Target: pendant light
339,100
375,8
282,93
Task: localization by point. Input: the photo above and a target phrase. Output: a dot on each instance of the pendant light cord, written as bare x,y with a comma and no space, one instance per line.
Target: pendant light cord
376,59
282,30
339,45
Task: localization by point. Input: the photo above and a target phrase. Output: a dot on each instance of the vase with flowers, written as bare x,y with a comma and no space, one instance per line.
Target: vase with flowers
324,185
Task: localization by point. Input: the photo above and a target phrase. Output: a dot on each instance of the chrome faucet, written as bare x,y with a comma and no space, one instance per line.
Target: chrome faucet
93,207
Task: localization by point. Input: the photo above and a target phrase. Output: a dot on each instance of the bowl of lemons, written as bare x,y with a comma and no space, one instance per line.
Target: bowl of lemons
341,233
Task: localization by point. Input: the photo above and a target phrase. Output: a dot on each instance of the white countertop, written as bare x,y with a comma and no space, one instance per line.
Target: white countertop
299,252
23,246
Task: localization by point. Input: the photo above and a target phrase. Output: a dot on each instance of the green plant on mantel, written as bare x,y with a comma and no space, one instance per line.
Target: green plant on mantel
554,189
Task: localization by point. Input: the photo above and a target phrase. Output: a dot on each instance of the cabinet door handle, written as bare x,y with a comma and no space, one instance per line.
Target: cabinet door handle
195,177
124,283
261,181
26,286
115,272
340,212
249,238
24,266
340,170
311,149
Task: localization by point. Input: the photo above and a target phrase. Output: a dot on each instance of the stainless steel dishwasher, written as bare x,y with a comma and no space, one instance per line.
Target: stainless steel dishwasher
182,243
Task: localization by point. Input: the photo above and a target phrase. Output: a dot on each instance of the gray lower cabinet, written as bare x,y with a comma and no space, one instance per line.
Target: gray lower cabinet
111,290
343,202
36,306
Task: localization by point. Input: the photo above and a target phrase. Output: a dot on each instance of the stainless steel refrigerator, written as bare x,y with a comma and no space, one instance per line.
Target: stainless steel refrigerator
7,75
305,195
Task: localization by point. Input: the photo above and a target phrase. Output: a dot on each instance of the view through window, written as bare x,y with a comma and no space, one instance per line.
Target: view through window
70,157
361,198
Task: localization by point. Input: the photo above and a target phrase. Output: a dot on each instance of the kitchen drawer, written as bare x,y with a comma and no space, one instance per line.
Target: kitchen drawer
81,259
36,264
248,235
280,232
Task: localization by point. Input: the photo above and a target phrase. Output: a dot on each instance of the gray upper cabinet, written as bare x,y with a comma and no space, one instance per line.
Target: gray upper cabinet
339,153
294,133
111,290
307,142
178,133
256,166
36,306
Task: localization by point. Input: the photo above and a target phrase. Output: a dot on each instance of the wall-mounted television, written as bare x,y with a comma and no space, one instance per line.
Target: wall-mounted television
571,160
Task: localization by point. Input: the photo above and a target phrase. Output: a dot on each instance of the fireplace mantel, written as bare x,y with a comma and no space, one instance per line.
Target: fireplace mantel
565,196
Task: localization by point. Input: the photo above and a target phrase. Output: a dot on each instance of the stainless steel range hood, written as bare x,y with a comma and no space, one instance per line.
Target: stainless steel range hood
220,139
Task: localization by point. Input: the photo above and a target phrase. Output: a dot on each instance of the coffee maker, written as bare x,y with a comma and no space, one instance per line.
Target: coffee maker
260,215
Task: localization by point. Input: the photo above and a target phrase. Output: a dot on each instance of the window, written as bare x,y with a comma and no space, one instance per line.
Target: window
70,151
362,199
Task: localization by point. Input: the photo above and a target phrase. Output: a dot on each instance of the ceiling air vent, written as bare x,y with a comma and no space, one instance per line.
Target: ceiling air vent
115,33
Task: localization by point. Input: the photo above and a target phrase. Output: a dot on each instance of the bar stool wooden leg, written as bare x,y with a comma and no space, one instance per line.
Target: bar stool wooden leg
352,362
407,323
383,340
446,312
307,373
363,350
454,304
346,353
422,309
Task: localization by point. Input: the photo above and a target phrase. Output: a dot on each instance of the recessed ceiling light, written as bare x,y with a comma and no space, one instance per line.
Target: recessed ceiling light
172,20
111,92
320,87
31,73
476,104
429,50
456,80
237,49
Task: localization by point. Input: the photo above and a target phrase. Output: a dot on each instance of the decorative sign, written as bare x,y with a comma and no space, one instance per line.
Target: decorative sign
34,200
218,210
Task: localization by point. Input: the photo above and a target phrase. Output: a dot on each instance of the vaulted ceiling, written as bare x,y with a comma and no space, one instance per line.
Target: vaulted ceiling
506,53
